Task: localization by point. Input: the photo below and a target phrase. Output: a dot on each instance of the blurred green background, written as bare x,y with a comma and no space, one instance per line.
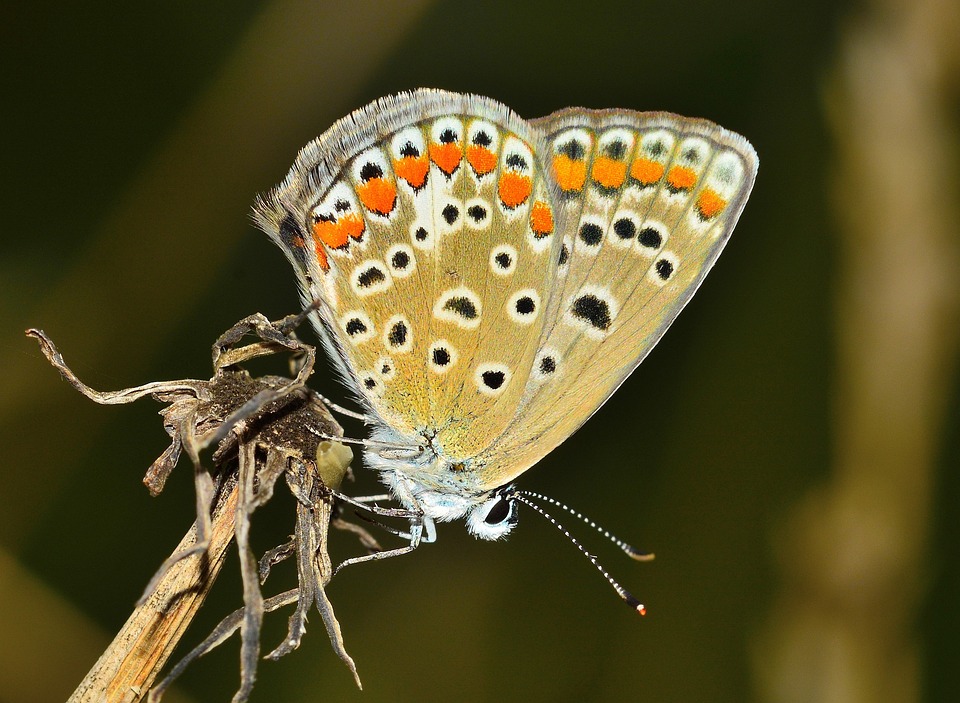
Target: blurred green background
789,451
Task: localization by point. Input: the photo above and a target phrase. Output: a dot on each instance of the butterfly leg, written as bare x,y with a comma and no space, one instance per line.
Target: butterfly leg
373,499
364,503
346,412
416,534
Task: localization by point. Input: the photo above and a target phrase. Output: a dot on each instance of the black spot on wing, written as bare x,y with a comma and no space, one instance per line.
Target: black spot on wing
664,268
355,326
371,276
493,379
592,310
450,214
398,334
400,260
650,238
462,306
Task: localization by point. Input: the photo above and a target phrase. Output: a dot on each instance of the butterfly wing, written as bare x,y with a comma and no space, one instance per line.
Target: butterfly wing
423,223
491,281
648,200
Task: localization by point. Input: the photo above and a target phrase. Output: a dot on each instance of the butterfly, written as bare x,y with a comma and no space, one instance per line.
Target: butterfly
484,283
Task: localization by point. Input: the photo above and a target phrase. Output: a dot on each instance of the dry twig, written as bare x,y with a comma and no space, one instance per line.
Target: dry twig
263,428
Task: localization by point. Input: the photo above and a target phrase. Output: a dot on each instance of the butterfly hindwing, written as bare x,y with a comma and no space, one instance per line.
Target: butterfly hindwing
649,201
493,277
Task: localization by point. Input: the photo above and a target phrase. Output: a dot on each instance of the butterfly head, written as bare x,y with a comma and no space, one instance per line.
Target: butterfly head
447,493
490,516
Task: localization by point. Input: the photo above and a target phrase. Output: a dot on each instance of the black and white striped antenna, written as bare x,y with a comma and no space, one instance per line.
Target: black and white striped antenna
528,498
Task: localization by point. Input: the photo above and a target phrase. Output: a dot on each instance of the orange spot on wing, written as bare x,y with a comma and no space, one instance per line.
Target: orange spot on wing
446,156
608,172
646,171
481,159
412,169
681,178
353,225
330,233
378,195
541,219
321,256
514,189
709,203
297,241
570,174
336,234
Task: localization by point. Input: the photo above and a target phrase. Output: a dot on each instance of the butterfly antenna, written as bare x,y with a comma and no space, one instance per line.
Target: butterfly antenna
629,550
627,597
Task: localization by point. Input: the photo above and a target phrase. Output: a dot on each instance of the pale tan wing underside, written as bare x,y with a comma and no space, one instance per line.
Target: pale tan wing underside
424,223
650,200
493,262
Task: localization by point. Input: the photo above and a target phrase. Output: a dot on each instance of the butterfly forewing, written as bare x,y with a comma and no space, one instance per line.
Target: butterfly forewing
428,235
649,201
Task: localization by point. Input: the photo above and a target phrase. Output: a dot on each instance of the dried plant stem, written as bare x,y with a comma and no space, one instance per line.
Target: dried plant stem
262,428
126,670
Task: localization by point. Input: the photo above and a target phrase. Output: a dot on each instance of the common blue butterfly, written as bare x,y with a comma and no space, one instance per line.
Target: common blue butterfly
485,283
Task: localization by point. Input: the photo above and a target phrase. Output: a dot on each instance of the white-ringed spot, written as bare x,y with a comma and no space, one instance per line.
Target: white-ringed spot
421,235
593,309
590,235
357,325
523,307
651,237
664,268
401,260
546,365
461,306
624,228
503,260
370,277
398,335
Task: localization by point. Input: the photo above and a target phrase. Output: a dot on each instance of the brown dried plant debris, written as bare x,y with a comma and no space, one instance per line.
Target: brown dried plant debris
262,428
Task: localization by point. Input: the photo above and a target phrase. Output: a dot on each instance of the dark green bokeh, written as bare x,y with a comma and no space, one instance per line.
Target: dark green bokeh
697,457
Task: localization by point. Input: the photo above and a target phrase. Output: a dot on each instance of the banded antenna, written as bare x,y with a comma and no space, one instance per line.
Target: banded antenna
527,498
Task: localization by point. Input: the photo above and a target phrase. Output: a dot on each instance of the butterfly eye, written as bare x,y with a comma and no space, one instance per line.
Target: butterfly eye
494,518
500,511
